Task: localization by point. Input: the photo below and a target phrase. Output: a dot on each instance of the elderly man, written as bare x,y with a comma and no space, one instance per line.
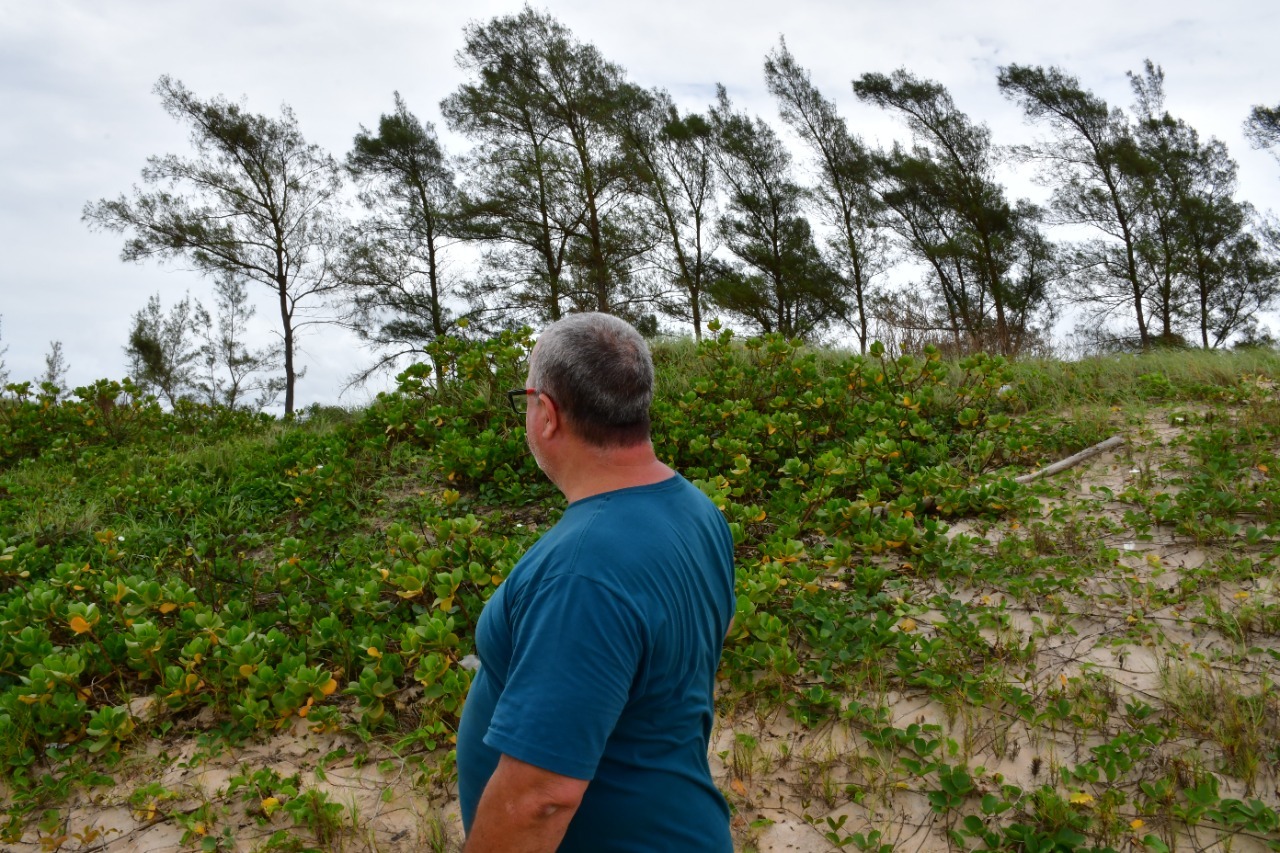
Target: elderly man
586,728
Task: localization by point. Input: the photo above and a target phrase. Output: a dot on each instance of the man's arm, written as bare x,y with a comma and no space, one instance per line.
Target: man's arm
524,809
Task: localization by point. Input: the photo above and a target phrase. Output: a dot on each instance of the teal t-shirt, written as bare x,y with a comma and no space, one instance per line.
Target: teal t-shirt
598,659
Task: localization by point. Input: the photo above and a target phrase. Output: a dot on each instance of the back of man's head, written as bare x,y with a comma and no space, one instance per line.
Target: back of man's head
597,370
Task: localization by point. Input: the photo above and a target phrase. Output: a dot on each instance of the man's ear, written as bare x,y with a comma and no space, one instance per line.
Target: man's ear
551,422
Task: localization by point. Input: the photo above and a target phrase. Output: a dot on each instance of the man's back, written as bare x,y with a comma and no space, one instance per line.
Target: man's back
599,656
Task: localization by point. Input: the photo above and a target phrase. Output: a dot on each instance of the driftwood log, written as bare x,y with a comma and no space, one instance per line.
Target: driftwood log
1072,461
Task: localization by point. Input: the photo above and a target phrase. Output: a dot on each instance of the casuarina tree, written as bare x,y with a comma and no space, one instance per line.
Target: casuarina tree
987,257
846,192
395,260
674,156
255,201
550,190
778,280
1093,163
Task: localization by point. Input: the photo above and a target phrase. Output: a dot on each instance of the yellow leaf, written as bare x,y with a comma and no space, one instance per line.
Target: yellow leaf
1080,798
329,687
1241,595
79,625
373,652
907,625
269,805
384,572
247,669
168,607
1137,823
738,787
199,828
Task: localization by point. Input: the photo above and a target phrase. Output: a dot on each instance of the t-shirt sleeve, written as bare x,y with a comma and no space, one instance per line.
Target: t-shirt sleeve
576,649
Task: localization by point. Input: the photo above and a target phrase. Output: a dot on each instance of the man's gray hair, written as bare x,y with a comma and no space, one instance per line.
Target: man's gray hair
598,371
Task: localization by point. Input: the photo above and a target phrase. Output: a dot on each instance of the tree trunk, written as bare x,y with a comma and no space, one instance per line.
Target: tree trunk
286,322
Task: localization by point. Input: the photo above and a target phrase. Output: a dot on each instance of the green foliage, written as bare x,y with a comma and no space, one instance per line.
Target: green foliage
328,572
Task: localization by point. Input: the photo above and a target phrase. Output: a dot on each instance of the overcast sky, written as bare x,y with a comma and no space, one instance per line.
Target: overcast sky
80,118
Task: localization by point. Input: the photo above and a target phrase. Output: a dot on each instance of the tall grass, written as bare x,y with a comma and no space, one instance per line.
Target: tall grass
1161,374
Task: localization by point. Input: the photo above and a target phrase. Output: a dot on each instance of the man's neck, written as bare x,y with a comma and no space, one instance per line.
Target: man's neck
600,470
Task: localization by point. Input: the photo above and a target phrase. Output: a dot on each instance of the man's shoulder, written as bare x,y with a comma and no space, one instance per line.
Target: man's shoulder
673,503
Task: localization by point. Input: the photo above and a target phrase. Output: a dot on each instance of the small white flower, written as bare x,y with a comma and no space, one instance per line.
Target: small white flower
121,538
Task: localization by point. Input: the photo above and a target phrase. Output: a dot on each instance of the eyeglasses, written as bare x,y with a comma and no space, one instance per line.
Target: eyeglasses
519,398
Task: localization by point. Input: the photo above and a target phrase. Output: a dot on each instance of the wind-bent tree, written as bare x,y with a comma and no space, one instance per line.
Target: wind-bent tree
1233,288
847,172
162,355
550,188
780,282
1206,272
986,256
255,202
1091,162
394,260
1163,171
675,160
1263,128
231,371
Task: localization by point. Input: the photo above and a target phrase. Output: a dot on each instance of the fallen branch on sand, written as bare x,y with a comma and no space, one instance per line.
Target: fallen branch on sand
1072,461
